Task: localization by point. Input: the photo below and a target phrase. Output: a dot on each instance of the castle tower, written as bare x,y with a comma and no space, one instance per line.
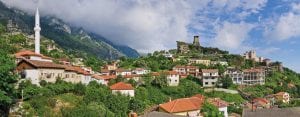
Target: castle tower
196,42
37,30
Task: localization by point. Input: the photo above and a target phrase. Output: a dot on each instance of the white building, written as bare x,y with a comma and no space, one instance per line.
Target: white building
224,63
220,104
173,78
123,88
254,76
140,71
122,72
36,71
236,75
209,77
199,61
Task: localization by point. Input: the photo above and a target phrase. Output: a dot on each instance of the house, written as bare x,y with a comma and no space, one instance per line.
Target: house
122,72
180,69
187,70
172,78
98,79
192,70
107,78
259,103
236,75
123,88
282,97
220,104
112,66
135,77
27,54
105,72
224,63
140,71
36,71
209,77
71,74
199,61
184,106
254,76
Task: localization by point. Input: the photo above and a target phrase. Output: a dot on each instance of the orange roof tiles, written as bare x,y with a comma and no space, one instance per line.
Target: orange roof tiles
121,86
261,100
183,104
104,77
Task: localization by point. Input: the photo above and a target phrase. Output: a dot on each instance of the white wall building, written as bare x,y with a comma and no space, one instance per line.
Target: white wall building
172,78
209,77
123,88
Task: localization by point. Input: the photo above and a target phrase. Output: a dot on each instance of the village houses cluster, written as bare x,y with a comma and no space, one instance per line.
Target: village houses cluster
36,67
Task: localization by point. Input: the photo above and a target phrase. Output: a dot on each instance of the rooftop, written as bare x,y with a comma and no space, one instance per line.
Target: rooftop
274,112
121,86
42,64
183,104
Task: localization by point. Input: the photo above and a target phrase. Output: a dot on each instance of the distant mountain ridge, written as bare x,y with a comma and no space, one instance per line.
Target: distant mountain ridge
69,37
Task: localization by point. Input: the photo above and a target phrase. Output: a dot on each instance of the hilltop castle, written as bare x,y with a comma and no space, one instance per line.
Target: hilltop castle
183,47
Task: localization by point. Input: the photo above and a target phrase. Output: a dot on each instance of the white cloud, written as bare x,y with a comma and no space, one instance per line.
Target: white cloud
143,25
287,27
232,35
296,7
152,25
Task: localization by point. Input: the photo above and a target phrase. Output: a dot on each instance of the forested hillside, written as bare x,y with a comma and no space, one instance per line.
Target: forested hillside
71,38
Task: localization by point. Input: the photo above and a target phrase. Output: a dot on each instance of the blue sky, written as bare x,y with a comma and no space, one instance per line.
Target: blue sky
271,27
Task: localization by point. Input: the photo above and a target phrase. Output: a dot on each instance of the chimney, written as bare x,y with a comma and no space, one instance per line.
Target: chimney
170,99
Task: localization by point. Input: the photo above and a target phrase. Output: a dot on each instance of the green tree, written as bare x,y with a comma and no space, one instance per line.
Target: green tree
7,81
137,105
160,81
226,82
2,29
210,110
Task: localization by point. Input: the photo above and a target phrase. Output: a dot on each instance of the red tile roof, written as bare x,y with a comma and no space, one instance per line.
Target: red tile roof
42,64
183,104
104,77
218,102
261,100
121,86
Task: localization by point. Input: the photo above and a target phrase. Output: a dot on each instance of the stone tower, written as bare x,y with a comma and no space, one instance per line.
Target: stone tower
196,42
37,30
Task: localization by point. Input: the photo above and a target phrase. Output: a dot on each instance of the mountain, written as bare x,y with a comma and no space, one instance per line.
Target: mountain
72,39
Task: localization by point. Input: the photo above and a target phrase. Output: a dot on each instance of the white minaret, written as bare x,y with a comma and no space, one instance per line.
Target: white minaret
37,30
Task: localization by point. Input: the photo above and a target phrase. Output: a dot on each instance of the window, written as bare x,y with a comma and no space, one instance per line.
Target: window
175,80
213,83
206,83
